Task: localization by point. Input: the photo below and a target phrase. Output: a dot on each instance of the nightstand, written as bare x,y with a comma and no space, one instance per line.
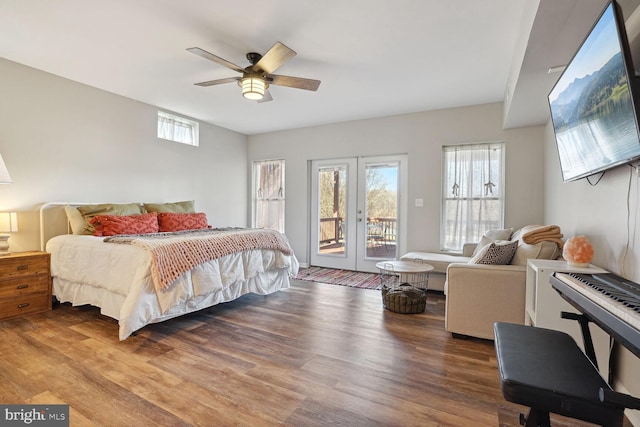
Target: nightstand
25,284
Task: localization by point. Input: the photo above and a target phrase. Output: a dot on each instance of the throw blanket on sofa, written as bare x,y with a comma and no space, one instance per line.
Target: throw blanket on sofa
173,254
533,234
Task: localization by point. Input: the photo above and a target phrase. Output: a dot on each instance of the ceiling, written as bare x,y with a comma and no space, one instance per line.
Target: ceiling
374,57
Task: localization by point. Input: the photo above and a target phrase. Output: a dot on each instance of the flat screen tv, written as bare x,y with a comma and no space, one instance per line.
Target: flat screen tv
593,105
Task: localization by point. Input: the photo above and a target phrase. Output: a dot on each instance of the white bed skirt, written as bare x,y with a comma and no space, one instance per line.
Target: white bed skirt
147,310
117,278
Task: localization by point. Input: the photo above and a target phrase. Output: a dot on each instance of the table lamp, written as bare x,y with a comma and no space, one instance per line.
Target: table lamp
5,178
8,225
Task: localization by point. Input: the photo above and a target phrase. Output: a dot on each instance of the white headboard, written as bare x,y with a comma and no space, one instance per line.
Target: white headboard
53,221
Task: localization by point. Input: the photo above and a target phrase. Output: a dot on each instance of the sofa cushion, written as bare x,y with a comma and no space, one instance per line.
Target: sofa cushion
439,261
499,252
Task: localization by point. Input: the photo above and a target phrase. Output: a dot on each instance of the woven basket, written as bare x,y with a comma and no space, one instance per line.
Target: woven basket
404,299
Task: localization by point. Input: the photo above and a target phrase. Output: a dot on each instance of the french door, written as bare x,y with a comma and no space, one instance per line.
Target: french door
358,211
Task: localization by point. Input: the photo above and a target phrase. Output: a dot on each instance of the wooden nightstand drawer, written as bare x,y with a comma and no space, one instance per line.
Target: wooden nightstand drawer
16,266
17,306
23,286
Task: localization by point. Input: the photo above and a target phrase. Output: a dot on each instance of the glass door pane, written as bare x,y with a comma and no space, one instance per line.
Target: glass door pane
381,210
332,197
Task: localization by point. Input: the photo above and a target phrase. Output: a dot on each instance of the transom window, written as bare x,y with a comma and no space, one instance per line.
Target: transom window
472,193
178,129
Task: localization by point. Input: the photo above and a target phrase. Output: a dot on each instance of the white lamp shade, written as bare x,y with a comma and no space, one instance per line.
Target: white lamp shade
8,222
253,88
5,178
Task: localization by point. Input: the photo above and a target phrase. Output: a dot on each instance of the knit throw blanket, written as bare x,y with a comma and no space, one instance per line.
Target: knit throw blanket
173,254
533,234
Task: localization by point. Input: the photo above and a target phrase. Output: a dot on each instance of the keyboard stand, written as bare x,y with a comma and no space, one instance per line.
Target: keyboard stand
586,334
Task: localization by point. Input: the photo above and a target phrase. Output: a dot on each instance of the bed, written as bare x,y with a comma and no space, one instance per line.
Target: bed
123,277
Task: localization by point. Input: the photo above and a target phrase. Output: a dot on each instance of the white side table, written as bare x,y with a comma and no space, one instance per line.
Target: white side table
415,273
543,306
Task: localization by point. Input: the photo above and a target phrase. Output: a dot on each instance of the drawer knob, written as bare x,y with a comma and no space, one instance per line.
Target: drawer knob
22,286
22,267
23,305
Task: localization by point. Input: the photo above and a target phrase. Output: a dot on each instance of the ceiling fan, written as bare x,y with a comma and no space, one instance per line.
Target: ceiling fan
257,77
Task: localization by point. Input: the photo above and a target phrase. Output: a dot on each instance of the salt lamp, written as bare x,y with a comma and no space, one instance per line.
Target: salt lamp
578,251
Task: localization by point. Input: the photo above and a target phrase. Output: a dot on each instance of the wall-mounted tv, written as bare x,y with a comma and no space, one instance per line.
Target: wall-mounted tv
593,105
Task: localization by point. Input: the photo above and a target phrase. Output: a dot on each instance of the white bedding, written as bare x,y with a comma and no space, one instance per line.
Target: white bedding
117,278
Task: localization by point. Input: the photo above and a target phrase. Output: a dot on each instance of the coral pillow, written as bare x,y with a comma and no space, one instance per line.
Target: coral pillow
111,225
182,221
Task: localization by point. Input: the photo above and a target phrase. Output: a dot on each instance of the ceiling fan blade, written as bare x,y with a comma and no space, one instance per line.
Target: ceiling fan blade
274,58
266,98
211,57
296,82
218,82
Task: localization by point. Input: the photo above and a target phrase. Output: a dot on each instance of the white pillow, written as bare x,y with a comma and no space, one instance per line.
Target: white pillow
503,234
492,236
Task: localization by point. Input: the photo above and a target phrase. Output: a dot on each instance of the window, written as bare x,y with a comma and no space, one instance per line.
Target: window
269,194
178,129
472,193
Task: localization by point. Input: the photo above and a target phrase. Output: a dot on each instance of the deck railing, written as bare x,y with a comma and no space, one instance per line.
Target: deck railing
383,229
330,230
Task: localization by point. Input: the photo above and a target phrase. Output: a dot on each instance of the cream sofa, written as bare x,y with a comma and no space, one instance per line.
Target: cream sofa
478,295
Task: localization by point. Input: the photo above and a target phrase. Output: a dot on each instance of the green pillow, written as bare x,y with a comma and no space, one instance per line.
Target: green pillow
76,220
176,207
89,211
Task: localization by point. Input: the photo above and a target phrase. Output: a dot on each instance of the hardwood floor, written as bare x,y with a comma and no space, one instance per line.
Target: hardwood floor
314,354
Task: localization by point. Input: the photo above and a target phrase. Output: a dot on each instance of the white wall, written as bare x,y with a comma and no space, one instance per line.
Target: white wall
600,213
64,141
421,136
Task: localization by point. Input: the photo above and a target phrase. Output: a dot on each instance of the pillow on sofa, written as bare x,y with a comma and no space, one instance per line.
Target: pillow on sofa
499,252
492,236
540,250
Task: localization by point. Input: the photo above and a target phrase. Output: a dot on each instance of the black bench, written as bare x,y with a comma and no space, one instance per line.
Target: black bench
547,371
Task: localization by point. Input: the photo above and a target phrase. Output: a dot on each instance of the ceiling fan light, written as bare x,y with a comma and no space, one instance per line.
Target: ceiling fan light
253,88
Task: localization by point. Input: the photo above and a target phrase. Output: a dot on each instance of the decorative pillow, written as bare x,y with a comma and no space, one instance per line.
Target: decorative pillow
491,236
169,221
89,211
112,225
499,252
176,207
